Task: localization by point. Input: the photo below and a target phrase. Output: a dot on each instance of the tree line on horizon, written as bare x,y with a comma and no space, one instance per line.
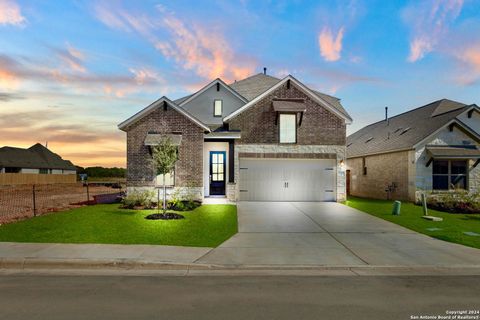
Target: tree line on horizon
102,172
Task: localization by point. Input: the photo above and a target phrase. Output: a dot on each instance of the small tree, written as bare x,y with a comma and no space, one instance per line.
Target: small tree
164,159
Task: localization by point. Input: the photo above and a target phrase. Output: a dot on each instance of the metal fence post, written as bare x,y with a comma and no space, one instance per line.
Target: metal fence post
88,194
34,203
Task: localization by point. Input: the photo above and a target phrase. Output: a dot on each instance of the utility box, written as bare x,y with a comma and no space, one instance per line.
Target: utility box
396,208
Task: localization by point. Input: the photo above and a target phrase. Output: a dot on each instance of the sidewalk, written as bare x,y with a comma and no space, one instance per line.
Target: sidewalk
172,260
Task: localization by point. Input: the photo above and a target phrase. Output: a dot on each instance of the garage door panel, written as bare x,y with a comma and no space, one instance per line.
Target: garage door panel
287,180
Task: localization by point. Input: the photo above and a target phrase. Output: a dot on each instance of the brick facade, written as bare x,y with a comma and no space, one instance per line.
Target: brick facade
319,125
189,167
322,135
382,170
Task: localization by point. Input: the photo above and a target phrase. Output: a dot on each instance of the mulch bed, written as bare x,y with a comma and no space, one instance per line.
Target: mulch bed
166,216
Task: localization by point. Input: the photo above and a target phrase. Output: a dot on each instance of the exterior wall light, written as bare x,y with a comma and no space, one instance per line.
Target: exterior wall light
342,165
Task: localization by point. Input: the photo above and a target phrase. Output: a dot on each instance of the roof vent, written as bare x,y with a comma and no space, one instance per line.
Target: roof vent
369,139
405,130
348,145
264,70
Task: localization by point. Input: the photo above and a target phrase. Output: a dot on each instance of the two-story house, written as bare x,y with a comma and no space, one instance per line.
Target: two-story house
257,139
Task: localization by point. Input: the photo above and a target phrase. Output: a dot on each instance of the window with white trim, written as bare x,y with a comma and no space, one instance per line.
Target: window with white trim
217,108
169,179
288,128
449,174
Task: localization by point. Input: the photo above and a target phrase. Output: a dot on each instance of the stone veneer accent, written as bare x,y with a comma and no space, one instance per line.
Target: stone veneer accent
445,137
318,152
286,155
319,125
197,192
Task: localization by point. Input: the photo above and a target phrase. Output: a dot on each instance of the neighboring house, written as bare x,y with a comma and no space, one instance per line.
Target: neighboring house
434,147
34,165
261,138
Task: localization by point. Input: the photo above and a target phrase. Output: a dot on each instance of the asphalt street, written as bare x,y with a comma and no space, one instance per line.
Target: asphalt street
234,297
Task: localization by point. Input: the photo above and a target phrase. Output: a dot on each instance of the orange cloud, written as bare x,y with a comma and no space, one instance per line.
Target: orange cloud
8,80
472,57
468,72
74,58
330,44
193,47
430,22
10,13
205,52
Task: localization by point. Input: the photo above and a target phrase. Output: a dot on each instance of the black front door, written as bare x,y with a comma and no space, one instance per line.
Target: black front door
217,172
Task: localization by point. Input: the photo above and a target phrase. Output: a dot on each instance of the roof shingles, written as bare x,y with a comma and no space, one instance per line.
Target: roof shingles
403,131
35,157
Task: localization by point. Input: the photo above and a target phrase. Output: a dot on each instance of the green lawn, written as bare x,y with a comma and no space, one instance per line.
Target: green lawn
206,226
452,226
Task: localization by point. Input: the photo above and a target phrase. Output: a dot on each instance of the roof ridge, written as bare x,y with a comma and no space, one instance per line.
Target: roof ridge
408,111
254,75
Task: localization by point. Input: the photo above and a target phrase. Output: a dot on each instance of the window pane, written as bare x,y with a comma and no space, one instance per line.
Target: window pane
458,182
220,177
220,168
459,167
218,108
214,168
169,179
288,128
440,167
440,182
214,158
220,158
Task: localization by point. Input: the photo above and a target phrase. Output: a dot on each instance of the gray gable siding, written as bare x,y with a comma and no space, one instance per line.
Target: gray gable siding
201,106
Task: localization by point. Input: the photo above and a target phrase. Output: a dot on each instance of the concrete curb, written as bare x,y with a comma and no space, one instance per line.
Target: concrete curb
131,265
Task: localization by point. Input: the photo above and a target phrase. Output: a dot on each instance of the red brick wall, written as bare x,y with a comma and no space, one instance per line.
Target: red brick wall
319,126
189,167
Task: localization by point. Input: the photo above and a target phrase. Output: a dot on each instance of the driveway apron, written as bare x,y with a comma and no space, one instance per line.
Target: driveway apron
329,234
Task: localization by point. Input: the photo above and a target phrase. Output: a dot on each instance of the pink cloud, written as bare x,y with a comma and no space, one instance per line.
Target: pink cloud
207,53
430,21
145,76
73,58
10,13
468,67
8,79
330,44
192,46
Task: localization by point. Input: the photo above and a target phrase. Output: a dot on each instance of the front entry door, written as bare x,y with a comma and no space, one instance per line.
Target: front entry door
217,172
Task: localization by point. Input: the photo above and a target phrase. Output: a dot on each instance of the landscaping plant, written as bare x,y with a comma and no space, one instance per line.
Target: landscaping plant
457,201
138,199
164,157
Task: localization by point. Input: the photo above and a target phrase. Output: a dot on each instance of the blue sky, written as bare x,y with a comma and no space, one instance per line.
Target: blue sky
70,71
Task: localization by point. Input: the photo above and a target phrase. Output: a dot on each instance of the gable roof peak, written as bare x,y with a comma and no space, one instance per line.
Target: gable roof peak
445,106
123,125
333,106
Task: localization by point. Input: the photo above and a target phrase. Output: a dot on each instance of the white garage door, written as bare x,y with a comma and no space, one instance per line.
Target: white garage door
287,180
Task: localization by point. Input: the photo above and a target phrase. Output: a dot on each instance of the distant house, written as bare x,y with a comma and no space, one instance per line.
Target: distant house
36,164
434,147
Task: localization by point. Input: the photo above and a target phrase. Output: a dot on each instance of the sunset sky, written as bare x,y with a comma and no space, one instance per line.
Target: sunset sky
70,71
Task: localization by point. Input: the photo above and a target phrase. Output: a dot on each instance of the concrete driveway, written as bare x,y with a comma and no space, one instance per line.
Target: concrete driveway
325,233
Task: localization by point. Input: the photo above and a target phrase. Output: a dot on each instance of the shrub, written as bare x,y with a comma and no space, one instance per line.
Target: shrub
183,201
137,198
458,201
